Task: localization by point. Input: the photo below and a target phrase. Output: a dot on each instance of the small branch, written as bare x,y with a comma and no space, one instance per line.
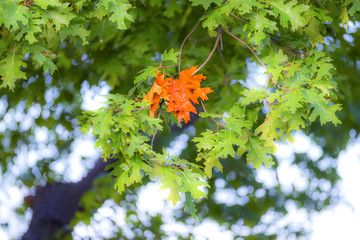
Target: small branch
221,43
272,44
221,56
212,51
246,45
139,109
152,140
187,36
243,20
221,124
261,62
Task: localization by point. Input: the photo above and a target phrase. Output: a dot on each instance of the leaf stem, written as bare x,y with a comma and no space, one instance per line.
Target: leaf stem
187,36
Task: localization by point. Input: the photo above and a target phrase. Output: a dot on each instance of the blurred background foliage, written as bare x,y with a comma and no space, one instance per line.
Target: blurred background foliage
45,105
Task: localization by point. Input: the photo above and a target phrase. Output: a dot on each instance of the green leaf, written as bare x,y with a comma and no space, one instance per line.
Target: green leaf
321,108
39,58
344,18
258,152
189,205
136,143
293,121
355,7
191,183
242,6
34,26
269,130
59,17
292,100
207,141
45,3
128,172
211,115
224,146
211,20
170,56
289,13
119,10
211,162
174,194
103,121
145,74
205,3
169,178
315,21
260,24
74,30
10,69
12,13
252,96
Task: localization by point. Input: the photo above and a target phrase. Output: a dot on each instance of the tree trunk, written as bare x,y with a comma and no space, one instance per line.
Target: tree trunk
55,204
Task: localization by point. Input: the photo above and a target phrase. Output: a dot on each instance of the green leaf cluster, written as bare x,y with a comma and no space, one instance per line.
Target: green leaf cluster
122,136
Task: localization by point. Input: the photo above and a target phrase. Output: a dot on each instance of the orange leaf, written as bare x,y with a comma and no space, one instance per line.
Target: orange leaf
157,90
180,94
185,91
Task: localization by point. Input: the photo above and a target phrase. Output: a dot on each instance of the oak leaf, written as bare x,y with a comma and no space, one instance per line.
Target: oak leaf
180,94
157,91
185,91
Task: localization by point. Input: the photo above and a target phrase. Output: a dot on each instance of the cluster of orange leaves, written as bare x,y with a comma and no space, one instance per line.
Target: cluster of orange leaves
179,94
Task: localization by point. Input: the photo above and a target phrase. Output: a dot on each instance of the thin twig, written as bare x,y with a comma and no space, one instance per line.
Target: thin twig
211,53
261,62
139,109
152,140
221,56
246,45
243,20
221,43
272,44
221,124
187,36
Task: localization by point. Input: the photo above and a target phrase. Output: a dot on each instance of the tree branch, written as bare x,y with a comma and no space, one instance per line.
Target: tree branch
187,36
247,46
211,53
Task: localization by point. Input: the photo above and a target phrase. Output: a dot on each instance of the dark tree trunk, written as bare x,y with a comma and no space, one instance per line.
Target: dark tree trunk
55,204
